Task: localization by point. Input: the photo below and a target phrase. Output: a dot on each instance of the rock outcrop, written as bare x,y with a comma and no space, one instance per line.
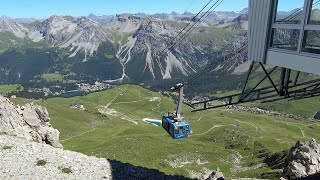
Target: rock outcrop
317,115
303,160
215,175
30,122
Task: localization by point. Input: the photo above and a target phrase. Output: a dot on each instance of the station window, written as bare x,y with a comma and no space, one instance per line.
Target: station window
297,28
285,38
312,42
315,13
289,15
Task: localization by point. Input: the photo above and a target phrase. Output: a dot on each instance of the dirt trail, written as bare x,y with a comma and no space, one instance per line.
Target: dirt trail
157,109
200,118
86,132
215,126
93,128
256,127
296,125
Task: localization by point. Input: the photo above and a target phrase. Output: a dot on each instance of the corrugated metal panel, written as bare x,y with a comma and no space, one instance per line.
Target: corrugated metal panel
260,12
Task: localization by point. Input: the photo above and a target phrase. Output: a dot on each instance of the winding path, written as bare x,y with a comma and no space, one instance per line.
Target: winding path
215,126
93,128
296,125
200,118
158,107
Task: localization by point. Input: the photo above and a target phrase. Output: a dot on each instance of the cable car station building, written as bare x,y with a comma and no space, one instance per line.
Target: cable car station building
286,39
289,40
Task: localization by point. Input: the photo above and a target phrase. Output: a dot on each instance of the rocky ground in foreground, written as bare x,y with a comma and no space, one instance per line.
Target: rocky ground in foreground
21,159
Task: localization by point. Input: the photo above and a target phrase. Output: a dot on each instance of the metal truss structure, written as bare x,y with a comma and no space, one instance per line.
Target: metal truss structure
286,89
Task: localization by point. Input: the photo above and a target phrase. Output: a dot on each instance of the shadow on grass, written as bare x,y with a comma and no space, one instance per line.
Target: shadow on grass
128,171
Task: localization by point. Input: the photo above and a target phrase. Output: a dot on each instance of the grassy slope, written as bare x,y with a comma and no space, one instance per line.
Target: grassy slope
9,40
7,88
149,146
51,77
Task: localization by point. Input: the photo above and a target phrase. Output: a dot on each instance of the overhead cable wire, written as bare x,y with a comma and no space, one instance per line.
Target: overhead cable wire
211,8
218,2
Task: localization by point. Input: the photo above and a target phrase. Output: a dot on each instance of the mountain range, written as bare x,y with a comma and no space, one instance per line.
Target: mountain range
114,48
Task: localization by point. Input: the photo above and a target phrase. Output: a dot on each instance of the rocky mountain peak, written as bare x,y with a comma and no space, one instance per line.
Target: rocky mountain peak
174,13
74,33
242,17
30,122
127,17
84,19
244,11
5,18
55,18
56,27
125,23
9,25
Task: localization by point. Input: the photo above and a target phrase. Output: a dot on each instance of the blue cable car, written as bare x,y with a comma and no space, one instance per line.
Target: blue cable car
174,123
178,128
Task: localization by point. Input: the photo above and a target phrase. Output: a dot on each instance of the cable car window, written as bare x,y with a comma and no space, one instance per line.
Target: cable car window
285,38
176,131
289,14
314,17
296,26
311,42
181,129
187,129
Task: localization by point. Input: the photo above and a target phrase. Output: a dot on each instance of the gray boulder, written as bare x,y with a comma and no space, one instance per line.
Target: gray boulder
303,160
30,122
317,115
215,175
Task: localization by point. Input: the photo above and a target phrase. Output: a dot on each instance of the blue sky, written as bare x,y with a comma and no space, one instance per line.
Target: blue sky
46,8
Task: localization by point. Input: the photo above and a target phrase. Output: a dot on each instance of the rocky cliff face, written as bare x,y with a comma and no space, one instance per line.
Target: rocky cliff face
30,122
125,23
303,160
75,33
9,25
151,38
